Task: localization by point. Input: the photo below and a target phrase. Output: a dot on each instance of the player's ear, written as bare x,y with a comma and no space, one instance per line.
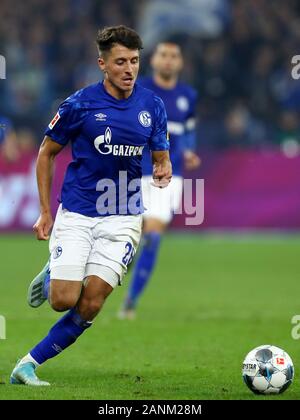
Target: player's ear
101,63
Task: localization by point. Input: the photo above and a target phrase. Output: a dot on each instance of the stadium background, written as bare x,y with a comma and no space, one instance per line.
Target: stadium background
240,288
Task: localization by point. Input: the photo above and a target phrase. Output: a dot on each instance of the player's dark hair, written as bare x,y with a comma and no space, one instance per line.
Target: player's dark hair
168,41
109,36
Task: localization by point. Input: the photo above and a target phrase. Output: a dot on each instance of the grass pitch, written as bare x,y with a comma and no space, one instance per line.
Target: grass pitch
210,301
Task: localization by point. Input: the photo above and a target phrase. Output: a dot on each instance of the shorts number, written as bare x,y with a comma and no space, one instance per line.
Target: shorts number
129,254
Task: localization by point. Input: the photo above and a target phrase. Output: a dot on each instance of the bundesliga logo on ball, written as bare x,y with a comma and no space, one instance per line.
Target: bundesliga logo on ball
268,370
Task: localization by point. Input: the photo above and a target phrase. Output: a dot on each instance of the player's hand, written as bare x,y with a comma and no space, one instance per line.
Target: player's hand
191,160
42,226
162,174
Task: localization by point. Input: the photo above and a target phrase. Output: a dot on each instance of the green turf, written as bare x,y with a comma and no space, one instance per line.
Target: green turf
211,300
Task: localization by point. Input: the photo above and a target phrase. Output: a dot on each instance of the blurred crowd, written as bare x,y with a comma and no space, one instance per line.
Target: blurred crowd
244,77
247,97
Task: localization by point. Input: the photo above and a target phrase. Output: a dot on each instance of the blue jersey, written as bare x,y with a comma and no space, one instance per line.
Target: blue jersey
108,137
5,127
180,103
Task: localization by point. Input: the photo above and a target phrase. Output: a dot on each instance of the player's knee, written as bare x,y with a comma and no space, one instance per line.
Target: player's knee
92,306
60,302
62,305
95,305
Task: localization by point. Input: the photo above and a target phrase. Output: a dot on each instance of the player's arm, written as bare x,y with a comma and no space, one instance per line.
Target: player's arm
191,159
44,171
59,132
162,168
159,146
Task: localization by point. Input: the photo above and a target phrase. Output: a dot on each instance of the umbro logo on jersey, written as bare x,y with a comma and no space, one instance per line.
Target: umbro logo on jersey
100,117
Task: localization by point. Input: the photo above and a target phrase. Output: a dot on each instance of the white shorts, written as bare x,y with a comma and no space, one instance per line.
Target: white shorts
160,203
103,246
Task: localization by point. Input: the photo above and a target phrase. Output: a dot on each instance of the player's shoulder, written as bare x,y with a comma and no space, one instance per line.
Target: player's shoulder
83,96
152,103
141,89
148,95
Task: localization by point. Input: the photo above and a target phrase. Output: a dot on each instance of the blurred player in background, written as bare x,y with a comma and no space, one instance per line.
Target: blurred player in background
180,102
109,124
8,140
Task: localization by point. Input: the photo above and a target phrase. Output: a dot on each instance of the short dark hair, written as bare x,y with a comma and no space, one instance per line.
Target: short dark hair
168,41
111,35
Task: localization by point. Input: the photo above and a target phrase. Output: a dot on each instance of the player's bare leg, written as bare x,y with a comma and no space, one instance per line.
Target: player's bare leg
93,296
154,225
64,294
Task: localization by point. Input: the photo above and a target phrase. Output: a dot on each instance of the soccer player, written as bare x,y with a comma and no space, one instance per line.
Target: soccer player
98,224
8,140
180,101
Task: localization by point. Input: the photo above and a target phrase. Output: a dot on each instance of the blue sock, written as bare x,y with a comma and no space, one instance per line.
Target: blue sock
62,335
144,267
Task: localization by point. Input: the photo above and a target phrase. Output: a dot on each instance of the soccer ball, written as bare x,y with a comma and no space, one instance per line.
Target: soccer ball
268,370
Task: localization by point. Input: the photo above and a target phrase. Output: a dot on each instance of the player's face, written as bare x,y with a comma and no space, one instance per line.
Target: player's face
167,60
120,66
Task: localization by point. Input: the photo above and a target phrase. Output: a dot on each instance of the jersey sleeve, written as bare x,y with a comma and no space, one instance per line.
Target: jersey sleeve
64,124
190,124
159,140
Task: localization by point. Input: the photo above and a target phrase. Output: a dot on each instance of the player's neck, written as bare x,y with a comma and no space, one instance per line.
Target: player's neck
165,83
115,92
